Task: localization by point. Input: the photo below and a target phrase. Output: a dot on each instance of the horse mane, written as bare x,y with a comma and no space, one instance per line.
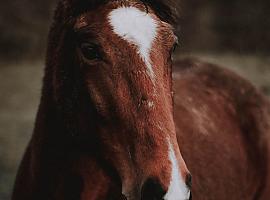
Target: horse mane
167,10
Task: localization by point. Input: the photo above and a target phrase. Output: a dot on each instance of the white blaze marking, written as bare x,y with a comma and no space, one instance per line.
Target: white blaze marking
136,27
150,104
177,189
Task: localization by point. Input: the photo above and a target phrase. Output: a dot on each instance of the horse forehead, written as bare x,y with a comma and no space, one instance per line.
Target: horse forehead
133,25
136,27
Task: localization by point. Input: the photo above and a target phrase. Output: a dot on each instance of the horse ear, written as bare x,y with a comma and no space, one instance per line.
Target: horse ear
167,10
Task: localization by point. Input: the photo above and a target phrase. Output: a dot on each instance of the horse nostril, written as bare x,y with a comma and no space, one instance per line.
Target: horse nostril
152,190
189,181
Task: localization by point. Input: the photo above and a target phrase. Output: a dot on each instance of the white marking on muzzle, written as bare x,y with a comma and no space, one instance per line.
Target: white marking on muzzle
177,189
136,27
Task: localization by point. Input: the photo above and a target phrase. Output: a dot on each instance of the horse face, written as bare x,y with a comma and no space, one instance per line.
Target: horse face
124,51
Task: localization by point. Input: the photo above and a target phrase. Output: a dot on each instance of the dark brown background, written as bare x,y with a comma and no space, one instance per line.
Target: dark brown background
232,33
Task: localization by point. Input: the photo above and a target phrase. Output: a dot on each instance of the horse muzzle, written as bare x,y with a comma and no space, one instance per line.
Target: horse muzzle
152,189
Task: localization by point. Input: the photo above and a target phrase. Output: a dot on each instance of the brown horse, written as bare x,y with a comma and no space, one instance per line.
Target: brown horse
105,127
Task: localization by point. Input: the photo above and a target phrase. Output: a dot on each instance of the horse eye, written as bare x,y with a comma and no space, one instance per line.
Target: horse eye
90,51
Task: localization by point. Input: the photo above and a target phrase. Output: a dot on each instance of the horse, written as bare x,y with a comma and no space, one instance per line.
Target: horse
115,123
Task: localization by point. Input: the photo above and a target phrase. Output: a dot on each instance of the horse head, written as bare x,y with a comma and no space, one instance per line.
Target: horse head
111,77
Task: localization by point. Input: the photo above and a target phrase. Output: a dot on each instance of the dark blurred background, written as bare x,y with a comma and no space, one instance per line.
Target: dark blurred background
232,33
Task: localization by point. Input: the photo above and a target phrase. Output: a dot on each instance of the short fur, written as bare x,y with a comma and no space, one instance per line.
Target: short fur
222,125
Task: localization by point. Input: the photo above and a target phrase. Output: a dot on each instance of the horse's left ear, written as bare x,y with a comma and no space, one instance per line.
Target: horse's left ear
167,10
